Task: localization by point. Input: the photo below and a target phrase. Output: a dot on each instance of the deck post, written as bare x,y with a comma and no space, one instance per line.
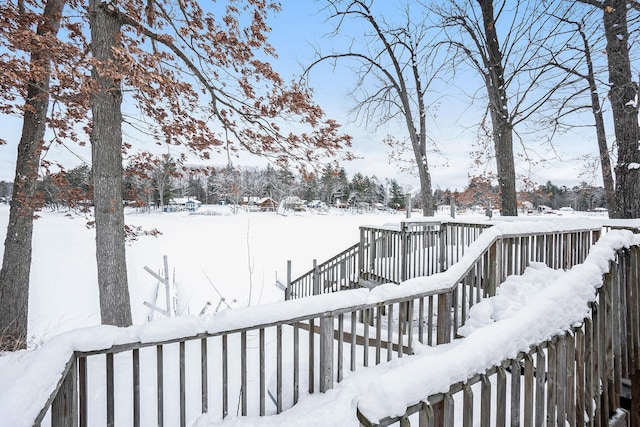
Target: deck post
361,257
442,237
316,278
404,251
494,272
444,318
64,408
326,352
287,290
452,206
635,397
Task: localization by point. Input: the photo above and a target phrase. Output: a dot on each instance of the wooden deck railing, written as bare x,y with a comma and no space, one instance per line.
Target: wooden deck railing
389,254
262,367
510,254
575,378
337,274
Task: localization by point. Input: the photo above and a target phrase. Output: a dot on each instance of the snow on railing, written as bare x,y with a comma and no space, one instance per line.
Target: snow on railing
346,330
391,253
569,348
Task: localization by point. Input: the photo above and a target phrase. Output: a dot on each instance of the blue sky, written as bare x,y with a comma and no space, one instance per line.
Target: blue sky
301,26
296,31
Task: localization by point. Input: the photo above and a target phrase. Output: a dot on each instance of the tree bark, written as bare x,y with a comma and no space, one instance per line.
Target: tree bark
502,128
106,150
623,96
601,136
16,262
420,145
603,149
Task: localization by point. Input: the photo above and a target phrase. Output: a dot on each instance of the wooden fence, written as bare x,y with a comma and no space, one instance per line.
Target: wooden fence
388,255
262,368
510,254
338,273
575,378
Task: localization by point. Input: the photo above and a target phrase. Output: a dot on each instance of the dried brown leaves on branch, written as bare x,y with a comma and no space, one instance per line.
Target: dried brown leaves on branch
192,76
21,46
202,78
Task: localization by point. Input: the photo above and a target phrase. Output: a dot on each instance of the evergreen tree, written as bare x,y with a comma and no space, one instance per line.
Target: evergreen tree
396,195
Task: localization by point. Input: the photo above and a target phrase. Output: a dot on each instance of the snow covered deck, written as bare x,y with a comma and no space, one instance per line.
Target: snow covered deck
248,365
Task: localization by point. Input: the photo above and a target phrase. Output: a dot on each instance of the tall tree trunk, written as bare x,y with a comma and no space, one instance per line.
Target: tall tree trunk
623,97
601,136
502,129
16,261
106,150
419,151
420,145
603,150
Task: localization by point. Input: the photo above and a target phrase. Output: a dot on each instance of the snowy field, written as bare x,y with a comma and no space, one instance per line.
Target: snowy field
238,257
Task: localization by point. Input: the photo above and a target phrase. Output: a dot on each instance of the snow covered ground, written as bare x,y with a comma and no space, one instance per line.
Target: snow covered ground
240,256
221,250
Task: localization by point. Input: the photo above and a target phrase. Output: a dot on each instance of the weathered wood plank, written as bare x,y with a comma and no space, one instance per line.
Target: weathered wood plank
528,415
243,374
501,397
326,353
541,369
515,392
64,408
467,409
183,384
485,401
204,375
262,374
160,385
135,354
110,394
311,354
580,376
279,361
570,404
225,376
378,344
296,363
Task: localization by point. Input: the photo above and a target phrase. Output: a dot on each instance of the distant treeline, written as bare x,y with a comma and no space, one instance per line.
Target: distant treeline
154,186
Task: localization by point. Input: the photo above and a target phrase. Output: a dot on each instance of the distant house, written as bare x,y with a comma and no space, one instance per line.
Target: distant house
527,206
341,205
293,203
192,204
317,204
250,200
267,204
181,204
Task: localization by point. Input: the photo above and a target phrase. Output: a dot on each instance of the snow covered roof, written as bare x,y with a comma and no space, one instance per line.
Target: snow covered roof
183,201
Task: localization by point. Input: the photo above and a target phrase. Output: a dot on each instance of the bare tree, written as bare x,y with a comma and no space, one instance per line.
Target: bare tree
162,175
623,97
398,63
510,63
576,59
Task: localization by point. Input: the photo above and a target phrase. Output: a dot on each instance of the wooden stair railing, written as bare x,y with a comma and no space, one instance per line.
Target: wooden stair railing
342,331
